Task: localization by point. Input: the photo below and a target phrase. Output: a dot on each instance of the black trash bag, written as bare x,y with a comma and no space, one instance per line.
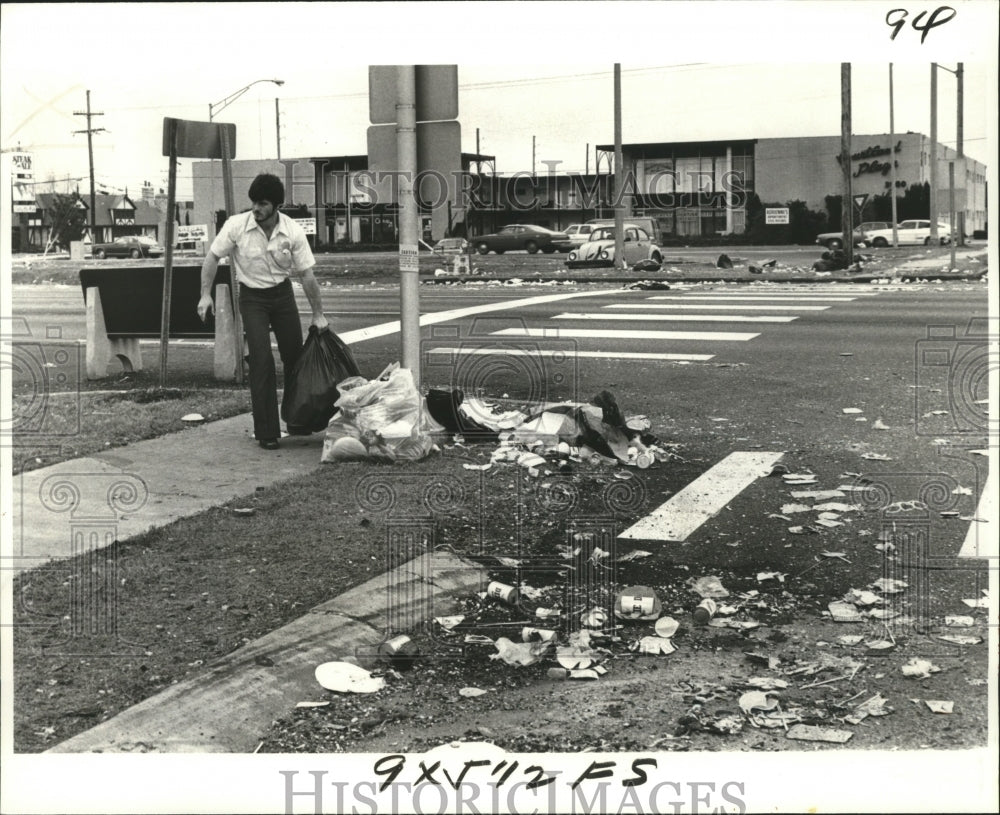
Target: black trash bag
444,405
307,404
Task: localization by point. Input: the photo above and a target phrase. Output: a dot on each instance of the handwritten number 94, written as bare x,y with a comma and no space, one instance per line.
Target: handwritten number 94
897,19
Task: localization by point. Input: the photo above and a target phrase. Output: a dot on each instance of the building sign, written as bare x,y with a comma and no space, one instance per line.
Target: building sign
869,159
776,215
308,225
21,182
192,232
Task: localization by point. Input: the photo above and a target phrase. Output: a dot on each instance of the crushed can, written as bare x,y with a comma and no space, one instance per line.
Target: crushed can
401,651
704,611
503,592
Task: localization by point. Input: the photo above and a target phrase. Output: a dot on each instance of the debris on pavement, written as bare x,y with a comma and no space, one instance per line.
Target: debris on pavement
520,653
809,732
345,677
919,668
940,706
471,693
707,587
193,418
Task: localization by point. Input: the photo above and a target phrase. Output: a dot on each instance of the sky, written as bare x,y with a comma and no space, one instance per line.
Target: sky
535,79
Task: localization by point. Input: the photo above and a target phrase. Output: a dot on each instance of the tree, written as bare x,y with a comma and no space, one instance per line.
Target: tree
69,220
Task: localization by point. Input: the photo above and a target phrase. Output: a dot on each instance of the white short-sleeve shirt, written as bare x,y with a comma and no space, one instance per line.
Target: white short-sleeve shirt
261,262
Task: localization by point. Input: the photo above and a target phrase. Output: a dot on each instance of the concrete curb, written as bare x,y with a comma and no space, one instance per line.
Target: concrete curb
226,709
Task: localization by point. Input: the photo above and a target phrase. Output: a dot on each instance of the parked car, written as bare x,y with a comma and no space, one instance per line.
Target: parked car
835,240
576,234
128,246
909,233
512,237
600,249
641,221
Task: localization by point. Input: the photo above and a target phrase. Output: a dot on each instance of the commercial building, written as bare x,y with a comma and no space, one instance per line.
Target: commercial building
690,189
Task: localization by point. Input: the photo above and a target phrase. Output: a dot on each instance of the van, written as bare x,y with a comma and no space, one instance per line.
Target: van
648,224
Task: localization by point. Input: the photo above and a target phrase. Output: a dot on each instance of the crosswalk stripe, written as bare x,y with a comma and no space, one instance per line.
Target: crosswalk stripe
702,499
675,318
751,298
711,306
518,352
979,542
604,333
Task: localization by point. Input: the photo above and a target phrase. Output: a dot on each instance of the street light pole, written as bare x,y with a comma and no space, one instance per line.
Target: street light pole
224,103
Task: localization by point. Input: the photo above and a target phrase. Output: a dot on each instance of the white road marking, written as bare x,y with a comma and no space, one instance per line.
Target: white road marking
703,498
519,352
604,333
979,541
674,318
751,298
710,307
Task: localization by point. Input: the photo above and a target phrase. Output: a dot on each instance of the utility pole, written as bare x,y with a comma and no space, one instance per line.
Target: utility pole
277,126
847,208
619,177
960,147
479,164
933,214
90,151
532,156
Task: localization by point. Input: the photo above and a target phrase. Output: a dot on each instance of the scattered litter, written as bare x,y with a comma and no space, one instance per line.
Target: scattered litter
862,597
935,413
792,508
779,576
828,523
479,467
520,653
796,530
880,425
193,417
875,706
312,704
654,646
810,732
503,592
879,645
595,618
850,639
756,700
844,612
852,410
778,517
471,693
938,706
767,683
818,495
919,668
529,634
635,554
740,625
958,620
448,623
709,587
666,627
805,478
547,613
836,556
637,603
962,491
244,512
883,614
888,585
875,457
345,677
978,602
834,506
960,639
730,725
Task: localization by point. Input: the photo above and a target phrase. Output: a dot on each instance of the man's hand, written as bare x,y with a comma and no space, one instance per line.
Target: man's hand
205,307
320,322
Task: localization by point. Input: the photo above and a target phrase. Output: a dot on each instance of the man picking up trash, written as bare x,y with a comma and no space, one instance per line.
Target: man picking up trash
264,247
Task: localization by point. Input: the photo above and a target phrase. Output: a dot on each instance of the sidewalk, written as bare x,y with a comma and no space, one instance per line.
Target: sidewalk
129,490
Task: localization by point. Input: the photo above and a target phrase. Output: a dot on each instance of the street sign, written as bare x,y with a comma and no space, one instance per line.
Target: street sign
308,225
437,93
860,200
776,215
409,259
199,139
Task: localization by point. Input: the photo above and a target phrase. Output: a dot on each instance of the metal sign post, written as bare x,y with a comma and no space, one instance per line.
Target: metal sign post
234,284
168,256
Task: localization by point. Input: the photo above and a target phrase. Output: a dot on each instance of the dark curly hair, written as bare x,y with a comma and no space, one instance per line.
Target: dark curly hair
267,187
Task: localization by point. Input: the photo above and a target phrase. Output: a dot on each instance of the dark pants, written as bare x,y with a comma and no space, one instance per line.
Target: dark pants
264,310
